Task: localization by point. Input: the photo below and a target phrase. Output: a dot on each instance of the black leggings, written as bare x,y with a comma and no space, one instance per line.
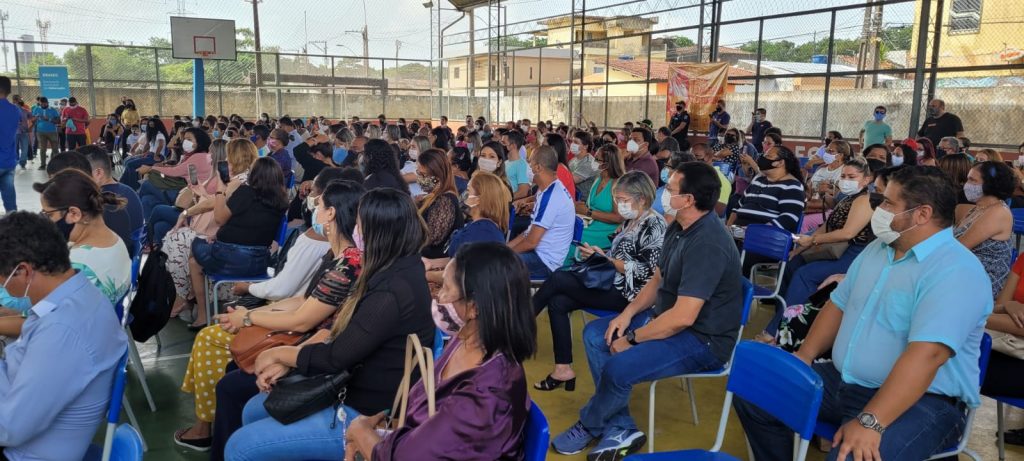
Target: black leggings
233,391
562,294
1003,376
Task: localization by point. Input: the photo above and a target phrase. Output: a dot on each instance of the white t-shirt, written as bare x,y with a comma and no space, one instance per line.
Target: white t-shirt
414,187
555,211
824,175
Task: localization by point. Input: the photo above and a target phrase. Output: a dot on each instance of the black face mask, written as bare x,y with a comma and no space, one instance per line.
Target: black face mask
679,108
730,139
64,228
764,163
828,141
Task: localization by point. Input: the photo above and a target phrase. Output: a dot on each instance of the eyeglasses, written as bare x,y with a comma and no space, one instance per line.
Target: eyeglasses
55,210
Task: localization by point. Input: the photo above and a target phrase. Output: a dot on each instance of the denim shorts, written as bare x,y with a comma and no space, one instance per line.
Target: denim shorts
229,259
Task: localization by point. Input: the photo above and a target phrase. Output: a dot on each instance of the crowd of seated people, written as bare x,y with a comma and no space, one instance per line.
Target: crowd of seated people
391,229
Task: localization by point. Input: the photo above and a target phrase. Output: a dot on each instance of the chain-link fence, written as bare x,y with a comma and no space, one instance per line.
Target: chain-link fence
282,83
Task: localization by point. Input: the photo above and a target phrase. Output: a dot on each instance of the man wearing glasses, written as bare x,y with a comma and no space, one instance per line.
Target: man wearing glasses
876,131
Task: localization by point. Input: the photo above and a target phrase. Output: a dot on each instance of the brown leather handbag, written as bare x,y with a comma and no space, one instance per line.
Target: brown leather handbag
251,341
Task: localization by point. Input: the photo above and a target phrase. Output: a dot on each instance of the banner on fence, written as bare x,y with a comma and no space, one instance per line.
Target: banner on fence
700,86
53,82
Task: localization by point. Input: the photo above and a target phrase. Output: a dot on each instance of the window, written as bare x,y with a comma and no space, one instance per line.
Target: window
965,16
457,72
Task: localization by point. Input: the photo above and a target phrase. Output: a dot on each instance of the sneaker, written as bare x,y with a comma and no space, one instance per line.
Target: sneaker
200,445
573,440
617,445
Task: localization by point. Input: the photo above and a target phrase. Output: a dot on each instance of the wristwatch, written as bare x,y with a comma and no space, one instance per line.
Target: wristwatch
631,337
869,421
184,212
246,320
590,212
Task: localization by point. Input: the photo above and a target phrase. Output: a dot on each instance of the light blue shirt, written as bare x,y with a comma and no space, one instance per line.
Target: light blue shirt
556,213
516,170
56,380
937,292
45,119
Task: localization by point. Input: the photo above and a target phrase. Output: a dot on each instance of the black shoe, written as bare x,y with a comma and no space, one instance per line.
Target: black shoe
1015,437
200,445
550,384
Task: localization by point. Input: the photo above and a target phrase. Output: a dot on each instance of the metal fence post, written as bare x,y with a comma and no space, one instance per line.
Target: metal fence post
936,47
828,73
91,85
277,81
383,89
159,93
757,71
330,88
220,90
17,69
647,84
922,50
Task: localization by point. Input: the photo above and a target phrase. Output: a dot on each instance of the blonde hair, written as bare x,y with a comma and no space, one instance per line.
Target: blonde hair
993,156
241,155
494,198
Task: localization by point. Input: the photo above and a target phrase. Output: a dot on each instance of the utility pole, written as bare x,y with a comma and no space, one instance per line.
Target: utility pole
398,46
256,39
366,51
868,53
44,32
3,35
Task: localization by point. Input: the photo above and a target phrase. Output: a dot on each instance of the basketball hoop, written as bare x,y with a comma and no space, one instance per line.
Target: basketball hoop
204,45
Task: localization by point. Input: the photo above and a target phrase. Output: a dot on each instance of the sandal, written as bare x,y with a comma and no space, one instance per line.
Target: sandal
550,384
765,338
201,445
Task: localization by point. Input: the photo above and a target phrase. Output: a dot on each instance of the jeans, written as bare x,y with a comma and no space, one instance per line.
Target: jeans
75,141
802,278
562,294
233,391
24,144
615,375
932,424
129,177
229,259
317,436
7,193
152,196
538,270
161,220
45,140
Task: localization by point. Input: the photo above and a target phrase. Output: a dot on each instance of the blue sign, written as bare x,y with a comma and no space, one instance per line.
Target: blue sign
53,82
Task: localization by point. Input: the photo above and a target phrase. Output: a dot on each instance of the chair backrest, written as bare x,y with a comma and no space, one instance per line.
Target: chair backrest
114,408
291,180
137,236
577,230
986,352
768,241
438,343
537,435
748,300
779,383
282,233
127,444
1018,220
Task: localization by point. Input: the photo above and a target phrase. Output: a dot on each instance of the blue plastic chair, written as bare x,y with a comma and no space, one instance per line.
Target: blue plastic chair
439,342
137,236
1000,423
537,435
1018,223
828,431
748,300
770,242
214,280
124,442
774,381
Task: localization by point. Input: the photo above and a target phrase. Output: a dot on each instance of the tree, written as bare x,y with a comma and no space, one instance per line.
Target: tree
682,41
897,38
513,43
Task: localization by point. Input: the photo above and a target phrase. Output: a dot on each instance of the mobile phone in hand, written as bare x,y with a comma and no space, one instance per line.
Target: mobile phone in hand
222,170
193,175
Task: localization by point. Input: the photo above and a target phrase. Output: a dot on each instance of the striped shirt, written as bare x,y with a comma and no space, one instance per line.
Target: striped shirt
780,204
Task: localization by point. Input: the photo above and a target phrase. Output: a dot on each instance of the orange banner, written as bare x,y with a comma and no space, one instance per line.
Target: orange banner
700,86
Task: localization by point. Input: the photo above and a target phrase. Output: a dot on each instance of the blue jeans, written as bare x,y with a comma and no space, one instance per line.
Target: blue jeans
161,220
931,425
538,270
129,177
615,375
24,148
7,193
229,259
802,278
152,196
317,436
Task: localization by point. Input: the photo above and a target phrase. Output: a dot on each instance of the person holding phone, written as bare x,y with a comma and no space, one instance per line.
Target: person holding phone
163,183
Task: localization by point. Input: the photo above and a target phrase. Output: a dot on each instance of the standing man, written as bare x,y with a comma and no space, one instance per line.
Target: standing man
905,330
62,137
47,119
12,119
680,123
940,123
24,132
75,119
719,121
759,124
876,131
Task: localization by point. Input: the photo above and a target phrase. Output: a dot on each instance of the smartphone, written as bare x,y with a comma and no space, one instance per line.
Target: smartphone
577,243
222,170
193,175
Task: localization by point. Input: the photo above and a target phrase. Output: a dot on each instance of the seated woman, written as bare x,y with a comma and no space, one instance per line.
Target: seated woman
730,151
149,149
1007,323
634,252
481,398
163,217
776,195
584,166
439,208
489,217
277,146
956,167
821,187
249,222
335,216
380,165
987,226
163,183
197,221
600,206
388,302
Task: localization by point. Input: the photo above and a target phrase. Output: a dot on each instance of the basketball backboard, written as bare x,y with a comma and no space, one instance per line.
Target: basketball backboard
202,38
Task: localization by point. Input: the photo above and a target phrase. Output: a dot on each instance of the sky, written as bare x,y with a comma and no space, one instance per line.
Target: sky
291,25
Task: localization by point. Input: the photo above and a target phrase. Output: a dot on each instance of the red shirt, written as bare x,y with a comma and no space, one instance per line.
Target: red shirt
1018,291
78,113
565,176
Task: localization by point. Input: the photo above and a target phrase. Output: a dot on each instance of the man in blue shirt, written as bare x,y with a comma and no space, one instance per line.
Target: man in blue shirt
12,119
47,119
905,329
55,380
719,121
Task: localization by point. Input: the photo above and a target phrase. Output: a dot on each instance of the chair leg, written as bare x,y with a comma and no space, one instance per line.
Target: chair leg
140,372
650,418
131,418
159,344
1001,427
693,400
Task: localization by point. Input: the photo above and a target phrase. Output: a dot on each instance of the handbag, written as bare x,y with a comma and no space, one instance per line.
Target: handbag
297,396
594,272
251,341
1007,343
415,356
825,251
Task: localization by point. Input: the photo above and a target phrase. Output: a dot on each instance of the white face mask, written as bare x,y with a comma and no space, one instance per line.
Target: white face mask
881,225
626,210
666,203
188,146
311,202
849,186
487,164
414,154
897,161
632,147
828,157
196,123
574,148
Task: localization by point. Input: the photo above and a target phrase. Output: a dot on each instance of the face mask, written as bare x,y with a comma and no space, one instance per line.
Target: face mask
632,147
730,139
973,192
828,157
626,210
881,225
317,227
679,108
427,183
849,186
469,146
446,318
879,117
473,201
273,144
311,202
897,161
19,303
664,175
574,148
487,164
666,203
110,122
339,155
524,127
65,228
414,154
765,164
216,133
188,146
357,239
933,112
262,151
828,141
196,123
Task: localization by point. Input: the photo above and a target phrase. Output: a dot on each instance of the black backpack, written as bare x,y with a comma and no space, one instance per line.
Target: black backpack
151,307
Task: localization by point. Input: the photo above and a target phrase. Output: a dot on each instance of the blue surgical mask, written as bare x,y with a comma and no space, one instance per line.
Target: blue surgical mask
19,303
664,175
339,156
879,116
216,134
317,227
262,152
